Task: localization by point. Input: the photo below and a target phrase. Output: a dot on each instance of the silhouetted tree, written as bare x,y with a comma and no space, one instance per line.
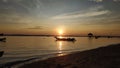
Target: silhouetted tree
1,34
90,35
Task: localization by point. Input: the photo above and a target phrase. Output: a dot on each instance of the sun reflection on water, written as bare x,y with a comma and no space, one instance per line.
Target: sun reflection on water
60,45
60,36
60,48
61,54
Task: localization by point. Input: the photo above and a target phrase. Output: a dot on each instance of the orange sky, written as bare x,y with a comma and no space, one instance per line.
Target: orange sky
73,17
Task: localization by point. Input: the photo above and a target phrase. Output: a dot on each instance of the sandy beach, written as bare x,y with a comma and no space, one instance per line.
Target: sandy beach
103,57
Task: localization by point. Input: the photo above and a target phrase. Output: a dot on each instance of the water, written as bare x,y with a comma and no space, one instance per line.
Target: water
24,47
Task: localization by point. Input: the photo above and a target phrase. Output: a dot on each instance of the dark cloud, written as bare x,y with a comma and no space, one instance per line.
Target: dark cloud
36,27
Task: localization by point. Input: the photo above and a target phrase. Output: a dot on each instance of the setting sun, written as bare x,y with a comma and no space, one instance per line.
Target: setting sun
60,32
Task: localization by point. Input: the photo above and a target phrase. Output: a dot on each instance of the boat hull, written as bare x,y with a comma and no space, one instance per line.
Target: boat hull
65,39
2,39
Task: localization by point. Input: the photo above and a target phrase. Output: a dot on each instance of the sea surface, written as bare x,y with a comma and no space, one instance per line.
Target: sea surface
20,48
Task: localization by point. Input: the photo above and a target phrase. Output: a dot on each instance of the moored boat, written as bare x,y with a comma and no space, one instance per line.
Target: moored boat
2,39
65,39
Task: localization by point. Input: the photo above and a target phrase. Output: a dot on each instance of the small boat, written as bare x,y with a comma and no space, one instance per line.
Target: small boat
1,53
65,39
2,39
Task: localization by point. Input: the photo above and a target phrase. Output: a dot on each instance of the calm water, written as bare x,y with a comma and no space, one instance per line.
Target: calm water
23,47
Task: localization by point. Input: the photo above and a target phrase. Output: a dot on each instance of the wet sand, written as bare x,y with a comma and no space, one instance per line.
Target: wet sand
103,57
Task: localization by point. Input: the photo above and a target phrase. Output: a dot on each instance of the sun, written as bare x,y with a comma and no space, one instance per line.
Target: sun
60,31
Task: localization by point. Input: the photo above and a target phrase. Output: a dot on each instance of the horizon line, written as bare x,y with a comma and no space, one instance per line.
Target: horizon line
56,35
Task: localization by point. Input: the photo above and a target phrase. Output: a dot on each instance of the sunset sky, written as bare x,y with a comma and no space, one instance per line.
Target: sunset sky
73,17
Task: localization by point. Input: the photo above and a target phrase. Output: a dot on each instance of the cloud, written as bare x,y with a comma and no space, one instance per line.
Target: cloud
104,0
97,0
9,17
35,27
92,12
116,0
4,0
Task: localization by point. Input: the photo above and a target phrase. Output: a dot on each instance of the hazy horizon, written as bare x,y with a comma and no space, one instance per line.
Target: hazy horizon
72,17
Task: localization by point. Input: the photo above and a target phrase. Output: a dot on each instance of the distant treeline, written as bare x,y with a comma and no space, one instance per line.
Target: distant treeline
58,35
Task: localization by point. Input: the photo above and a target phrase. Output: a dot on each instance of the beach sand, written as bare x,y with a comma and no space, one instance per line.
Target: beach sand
103,57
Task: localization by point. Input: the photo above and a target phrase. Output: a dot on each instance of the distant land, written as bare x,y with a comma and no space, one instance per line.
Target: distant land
47,35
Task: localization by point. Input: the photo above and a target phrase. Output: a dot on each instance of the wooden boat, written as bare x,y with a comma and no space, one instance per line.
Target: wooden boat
65,39
1,53
2,39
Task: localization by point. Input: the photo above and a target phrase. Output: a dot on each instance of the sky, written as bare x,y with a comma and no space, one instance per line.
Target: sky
72,17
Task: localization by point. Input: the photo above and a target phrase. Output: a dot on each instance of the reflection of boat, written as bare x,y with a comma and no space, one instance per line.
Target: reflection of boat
2,39
65,39
1,53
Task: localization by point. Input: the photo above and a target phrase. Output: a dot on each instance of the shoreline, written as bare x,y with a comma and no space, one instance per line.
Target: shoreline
18,63
103,57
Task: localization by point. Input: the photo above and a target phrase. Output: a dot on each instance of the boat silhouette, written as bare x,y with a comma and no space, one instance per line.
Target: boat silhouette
64,39
2,39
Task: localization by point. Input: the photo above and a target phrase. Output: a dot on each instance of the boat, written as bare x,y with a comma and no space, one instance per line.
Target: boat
1,53
65,39
2,39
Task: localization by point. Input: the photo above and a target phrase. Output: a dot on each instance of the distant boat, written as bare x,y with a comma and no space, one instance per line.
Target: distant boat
65,39
2,39
1,53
